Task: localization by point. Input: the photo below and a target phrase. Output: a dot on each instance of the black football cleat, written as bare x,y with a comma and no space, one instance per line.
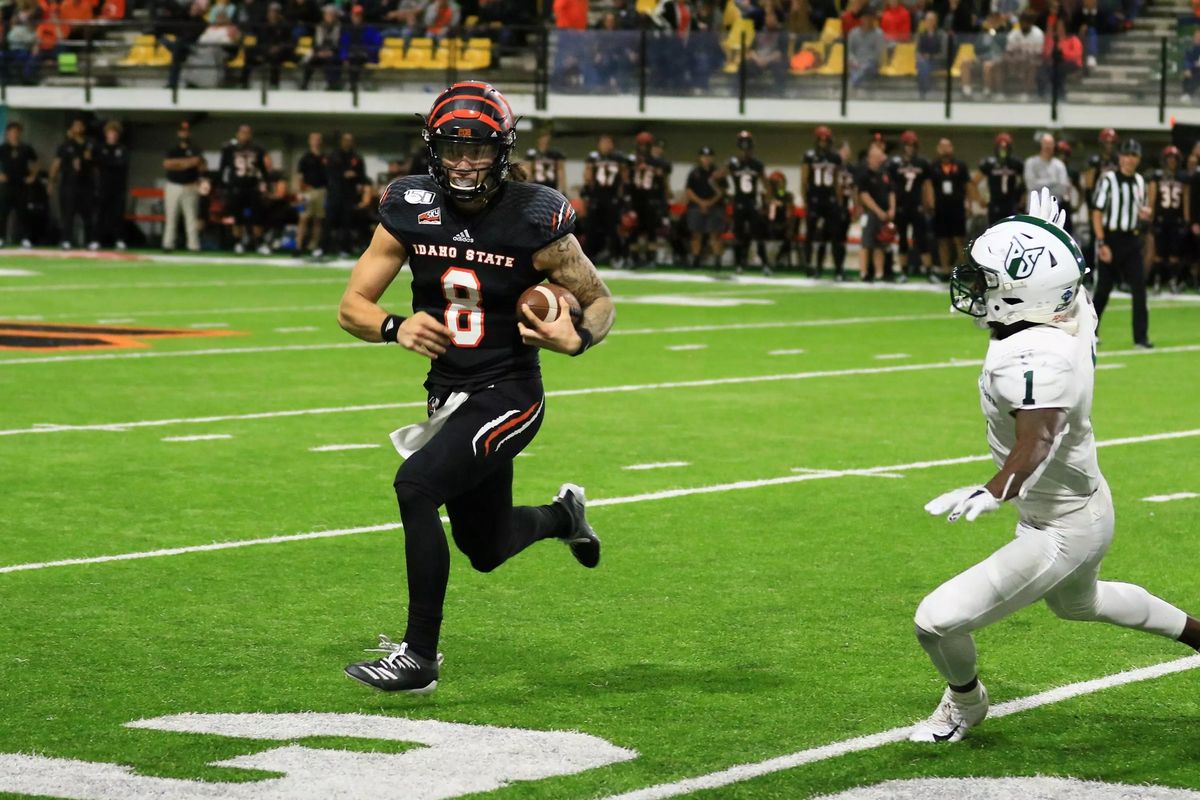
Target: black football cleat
398,671
583,541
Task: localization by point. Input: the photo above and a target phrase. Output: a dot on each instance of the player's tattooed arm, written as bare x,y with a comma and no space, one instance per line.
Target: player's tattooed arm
360,313
564,263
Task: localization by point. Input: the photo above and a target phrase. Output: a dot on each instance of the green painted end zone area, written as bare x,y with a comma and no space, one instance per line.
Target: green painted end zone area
722,628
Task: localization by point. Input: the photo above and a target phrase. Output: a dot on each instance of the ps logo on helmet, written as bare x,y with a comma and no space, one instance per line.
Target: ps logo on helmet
1020,260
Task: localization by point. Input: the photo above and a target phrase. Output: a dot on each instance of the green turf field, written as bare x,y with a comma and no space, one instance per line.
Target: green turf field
754,600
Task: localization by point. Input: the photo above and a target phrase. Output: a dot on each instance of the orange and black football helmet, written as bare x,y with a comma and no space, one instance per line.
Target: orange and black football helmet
470,133
1171,151
824,135
1004,142
1108,136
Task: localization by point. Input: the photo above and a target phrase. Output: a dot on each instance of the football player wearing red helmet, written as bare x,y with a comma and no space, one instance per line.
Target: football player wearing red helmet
1004,174
605,184
1167,194
746,173
780,215
911,181
823,204
475,241
649,175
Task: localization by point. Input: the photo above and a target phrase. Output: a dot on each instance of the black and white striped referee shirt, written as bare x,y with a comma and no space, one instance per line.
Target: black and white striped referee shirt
1118,198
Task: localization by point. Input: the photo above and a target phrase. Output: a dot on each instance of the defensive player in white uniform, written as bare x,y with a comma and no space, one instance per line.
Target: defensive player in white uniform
1022,280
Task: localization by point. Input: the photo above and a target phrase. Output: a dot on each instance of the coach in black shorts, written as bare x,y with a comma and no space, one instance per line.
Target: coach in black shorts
475,242
951,189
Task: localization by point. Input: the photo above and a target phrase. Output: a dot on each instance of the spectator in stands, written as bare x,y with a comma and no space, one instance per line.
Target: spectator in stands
206,65
571,14
346,178
441,18
181,194
1191,68
71,180
253,13
18,171
312,179
989,50
865,48
327,38
958,16
187,32
273,47
1092,24
1023,55
1044,170
401,18
360,44
931,52
705,207
74,12
1008,9
852,16
112,10
304,15
23,45
895,21
1062,57
112,188
768,56
614,57
220,7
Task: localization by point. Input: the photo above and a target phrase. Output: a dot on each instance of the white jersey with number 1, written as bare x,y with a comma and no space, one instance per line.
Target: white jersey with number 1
1046,367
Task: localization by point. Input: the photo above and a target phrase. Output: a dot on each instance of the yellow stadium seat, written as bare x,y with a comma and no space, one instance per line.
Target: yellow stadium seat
304,46
142,52
836,63
419,55
903,61
832,30
729,17
391,55
743,27
239,61
966,52
476,55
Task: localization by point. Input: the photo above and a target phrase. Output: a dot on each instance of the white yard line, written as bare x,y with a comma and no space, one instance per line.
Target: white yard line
789,376
93,287
686,347
1166,498
658,465
209,325
791,323
598,503
202,437
891,356
745,772
333,448
298,329
213,351
114,321
795,351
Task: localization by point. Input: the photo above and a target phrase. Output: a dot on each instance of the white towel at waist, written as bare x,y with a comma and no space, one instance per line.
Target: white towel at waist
411,438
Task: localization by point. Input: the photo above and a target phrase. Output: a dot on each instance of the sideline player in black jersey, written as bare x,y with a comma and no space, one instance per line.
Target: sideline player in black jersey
605,175
243,170
475,241
780,216
952,193
822,210
71,178
747,174
18,171
1099,163
909,173
1167,195
647,193
546,165
1005,176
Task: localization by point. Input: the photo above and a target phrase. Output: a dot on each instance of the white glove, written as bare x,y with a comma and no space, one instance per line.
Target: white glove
1044,205
969,501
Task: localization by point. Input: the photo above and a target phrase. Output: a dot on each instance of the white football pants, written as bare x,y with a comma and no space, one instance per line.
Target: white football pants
1057,560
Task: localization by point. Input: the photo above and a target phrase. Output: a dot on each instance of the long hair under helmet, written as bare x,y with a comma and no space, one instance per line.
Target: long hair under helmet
470,122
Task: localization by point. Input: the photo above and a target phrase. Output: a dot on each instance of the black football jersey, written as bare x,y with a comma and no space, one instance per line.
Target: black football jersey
470,269
950,180
822,175
1005,180
847,184
648,177
74,162
908,178
543,167
781,207
1168,200
15,161
606,175
242,165
746,175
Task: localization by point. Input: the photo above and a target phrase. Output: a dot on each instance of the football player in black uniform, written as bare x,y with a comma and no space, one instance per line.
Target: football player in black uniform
647,193
243,170
546,165
823,212
952,194
1005,176
747,175
475,241
605,175
18,171
71,178
780,216
909,174
1167,195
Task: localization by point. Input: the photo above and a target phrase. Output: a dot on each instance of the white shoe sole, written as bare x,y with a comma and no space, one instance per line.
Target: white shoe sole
422,691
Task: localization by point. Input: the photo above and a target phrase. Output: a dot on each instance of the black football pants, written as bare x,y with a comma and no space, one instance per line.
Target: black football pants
1127,263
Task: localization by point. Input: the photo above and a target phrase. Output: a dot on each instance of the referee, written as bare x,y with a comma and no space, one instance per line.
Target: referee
1119,211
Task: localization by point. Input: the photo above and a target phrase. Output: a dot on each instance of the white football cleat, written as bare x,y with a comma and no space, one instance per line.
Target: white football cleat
951,720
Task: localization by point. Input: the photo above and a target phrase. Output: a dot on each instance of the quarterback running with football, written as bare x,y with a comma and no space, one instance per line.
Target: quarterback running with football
1022,278
475,241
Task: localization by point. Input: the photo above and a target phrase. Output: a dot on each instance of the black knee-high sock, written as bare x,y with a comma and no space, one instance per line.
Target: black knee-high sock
428,559
839,257
533,523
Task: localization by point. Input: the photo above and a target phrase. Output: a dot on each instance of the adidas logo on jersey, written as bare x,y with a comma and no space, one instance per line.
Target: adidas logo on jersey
463,236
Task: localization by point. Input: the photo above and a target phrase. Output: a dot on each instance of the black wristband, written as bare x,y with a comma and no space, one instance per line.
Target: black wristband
585,337
390,328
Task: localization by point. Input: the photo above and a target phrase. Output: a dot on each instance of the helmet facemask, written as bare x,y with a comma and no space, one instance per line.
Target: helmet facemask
468,168
969,285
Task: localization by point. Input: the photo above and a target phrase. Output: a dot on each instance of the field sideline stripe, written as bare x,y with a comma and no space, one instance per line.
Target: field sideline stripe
744,772
605,501
89,287
640,387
